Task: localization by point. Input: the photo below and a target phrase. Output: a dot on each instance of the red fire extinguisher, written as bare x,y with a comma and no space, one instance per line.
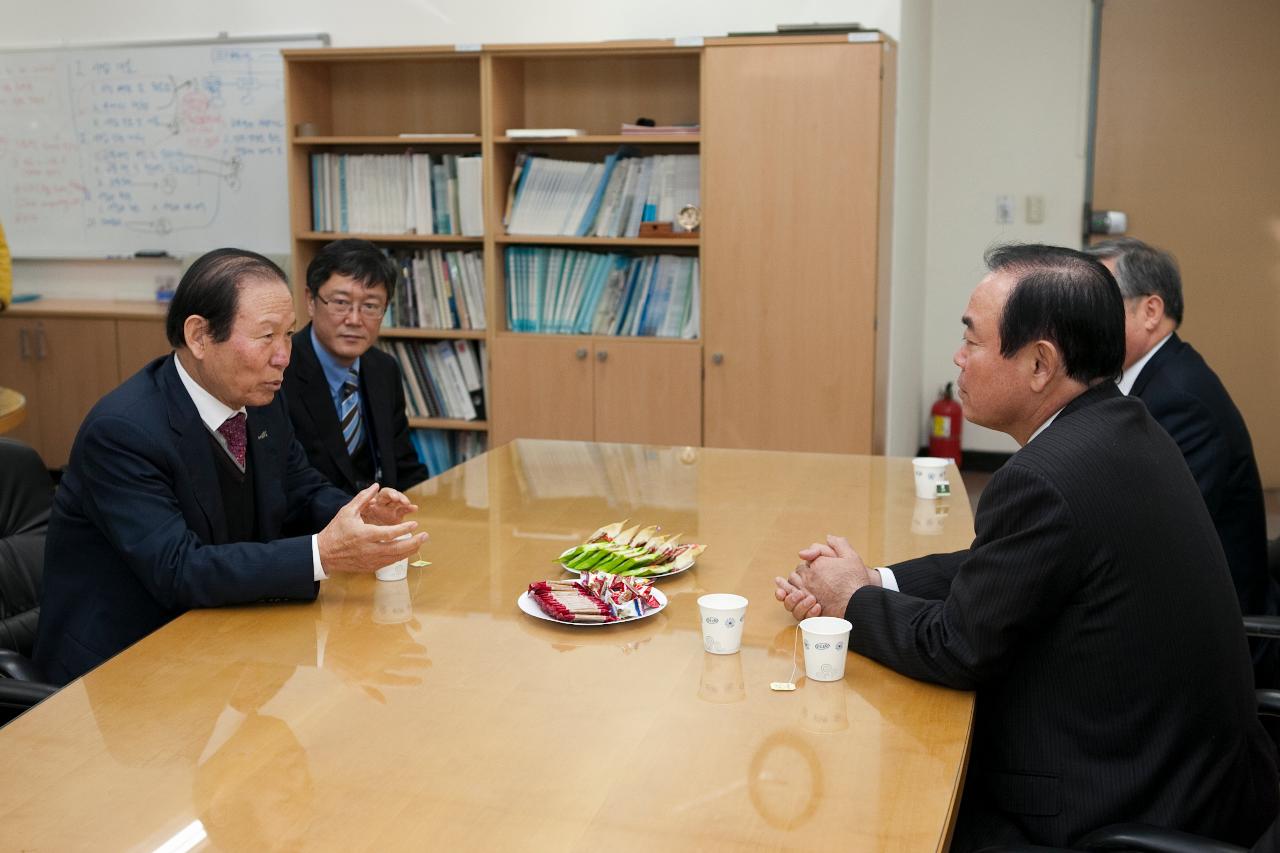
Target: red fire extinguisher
946,418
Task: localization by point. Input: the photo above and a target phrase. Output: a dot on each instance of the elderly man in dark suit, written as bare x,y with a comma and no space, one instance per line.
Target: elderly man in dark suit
1093,614
1186,397
187,489
346,398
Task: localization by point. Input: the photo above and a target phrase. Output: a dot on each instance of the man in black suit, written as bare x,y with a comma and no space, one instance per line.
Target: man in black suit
346,397
1185,397
1093,614
187,489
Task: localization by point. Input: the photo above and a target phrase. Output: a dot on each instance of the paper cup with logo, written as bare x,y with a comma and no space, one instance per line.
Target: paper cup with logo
396,571
722,615
826,646
930,472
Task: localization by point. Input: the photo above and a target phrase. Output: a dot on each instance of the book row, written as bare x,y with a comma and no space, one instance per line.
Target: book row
565,291
610,199
442,379
410,193
440,449
438,289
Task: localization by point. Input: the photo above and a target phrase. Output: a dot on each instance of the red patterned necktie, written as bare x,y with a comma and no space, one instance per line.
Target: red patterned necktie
232,430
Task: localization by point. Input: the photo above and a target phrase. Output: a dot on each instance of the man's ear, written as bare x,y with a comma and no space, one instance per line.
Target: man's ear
311,304
1151,311
1046,363
196,331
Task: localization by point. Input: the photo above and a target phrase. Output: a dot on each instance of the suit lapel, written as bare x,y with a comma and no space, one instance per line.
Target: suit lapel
192,439
313,391
1156,364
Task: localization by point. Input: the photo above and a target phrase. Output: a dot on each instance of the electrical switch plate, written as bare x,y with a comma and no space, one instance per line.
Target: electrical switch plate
1004,210
1035,209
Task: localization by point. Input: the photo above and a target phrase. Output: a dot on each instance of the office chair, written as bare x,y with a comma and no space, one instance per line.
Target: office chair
26,495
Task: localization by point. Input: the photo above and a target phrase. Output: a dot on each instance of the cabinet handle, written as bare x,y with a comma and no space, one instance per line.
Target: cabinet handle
602,355
40,348
717,357
24,347
581,353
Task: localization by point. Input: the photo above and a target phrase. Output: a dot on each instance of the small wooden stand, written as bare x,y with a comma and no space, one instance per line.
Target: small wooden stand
663,229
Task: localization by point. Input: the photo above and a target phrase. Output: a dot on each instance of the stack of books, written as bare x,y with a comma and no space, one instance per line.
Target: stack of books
396,194
440,450
442,379
660,129
438,290
571,198
563,291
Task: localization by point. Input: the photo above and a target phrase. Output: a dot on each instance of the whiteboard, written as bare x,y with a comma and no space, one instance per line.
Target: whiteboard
177,147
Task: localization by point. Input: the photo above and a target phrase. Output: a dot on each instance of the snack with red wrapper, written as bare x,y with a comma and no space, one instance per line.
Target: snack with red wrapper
595,597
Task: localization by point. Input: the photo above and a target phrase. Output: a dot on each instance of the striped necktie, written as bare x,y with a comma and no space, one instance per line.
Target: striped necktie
349,412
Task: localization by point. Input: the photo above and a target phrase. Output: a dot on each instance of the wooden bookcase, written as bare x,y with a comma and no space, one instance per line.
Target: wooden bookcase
795,148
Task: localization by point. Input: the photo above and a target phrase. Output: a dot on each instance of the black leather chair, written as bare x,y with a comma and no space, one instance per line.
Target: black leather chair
26,495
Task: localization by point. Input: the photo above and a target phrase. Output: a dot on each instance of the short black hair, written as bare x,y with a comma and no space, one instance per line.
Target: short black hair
1066,297
210,288
1143,270
356,259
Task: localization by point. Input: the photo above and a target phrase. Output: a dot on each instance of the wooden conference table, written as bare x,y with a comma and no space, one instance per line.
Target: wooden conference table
432,713
13,409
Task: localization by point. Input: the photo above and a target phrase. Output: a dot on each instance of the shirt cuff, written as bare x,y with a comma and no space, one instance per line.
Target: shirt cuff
317,570
887,578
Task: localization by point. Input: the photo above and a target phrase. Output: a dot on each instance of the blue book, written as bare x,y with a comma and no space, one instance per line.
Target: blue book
585,227
628,296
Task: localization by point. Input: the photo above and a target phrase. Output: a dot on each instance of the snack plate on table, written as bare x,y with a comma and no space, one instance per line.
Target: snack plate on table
592,600
633,552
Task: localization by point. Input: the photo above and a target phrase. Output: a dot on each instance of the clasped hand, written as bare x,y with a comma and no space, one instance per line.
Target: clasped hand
363,535
825,580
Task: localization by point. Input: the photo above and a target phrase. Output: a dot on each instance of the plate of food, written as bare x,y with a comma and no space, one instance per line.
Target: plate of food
631,552
593,599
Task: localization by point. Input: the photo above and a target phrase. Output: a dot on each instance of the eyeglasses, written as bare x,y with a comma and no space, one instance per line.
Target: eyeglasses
340,306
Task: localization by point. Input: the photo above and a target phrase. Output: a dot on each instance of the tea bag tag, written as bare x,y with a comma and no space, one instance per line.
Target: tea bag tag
782,685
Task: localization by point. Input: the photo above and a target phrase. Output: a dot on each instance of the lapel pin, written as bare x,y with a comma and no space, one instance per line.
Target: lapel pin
262,435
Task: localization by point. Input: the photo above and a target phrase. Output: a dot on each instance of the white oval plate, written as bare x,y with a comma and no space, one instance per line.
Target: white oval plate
526,603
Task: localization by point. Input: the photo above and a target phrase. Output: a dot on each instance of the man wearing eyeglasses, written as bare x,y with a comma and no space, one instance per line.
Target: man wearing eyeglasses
346,397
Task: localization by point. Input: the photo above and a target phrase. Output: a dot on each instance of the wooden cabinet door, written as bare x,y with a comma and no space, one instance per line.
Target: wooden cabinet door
137,343
77,365
18,371
541,387
791,140
648,392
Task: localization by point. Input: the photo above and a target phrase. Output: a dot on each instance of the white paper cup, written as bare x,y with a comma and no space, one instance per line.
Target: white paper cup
392,602
826,646
396,571
722,616
931,472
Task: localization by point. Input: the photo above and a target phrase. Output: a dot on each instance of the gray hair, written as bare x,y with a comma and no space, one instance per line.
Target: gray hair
1143,270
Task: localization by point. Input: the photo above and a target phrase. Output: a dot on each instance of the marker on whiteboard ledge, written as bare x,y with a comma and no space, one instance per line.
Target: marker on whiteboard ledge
156,254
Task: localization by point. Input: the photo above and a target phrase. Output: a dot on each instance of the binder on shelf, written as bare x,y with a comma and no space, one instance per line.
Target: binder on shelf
410,193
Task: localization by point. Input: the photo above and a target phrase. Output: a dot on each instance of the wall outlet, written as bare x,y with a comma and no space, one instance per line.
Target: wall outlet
1035,209
1004,210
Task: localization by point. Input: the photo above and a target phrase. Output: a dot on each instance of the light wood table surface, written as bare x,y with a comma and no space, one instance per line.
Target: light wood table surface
431,713
13,409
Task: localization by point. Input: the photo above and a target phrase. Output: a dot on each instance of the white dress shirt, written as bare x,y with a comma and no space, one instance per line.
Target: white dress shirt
1130,375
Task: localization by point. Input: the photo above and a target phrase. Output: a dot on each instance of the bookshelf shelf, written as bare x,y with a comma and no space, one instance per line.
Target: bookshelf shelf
447,239
606,139
597,242
396,140
433,334
448,423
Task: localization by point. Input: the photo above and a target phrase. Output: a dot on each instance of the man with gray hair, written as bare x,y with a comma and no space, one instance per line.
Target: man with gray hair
1188,400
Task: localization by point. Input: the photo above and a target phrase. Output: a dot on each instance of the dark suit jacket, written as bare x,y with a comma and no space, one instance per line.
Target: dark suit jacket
1186,398
1095,618
315,420
138,533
